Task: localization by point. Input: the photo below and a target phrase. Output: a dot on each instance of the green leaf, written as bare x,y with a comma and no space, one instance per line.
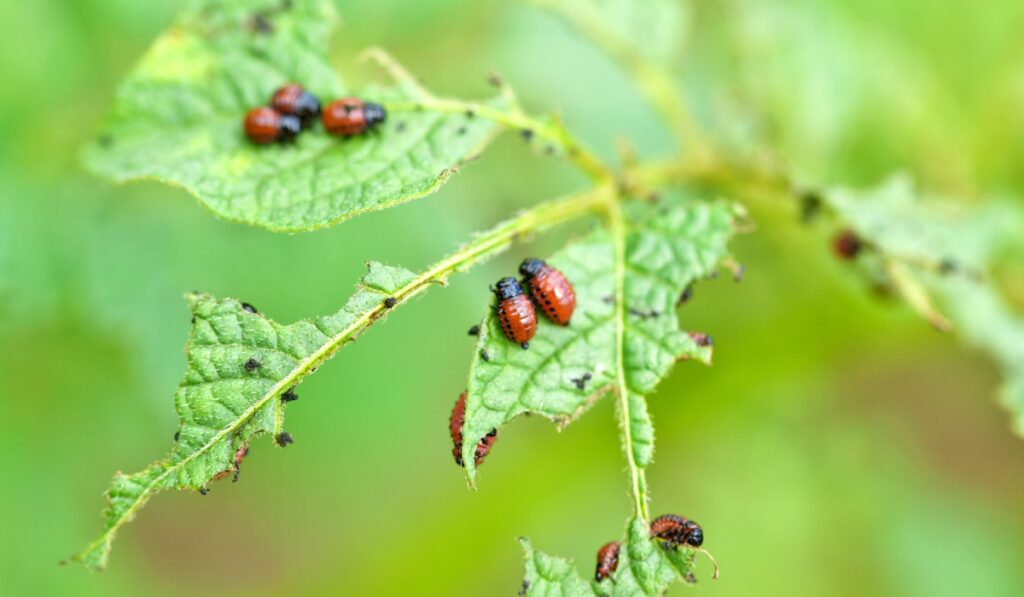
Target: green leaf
644,568
177,118
948,250
668,247
550,575
655,29
240,363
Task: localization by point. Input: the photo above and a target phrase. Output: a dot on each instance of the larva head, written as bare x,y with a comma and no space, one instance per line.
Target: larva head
507,288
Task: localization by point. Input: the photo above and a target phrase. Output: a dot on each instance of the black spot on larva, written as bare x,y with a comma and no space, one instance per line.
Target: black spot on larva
249,308
252,365
485,355
284,438
289,395
474,330
461,130
470,113
526,134
400,126
177,435
204,490
390,302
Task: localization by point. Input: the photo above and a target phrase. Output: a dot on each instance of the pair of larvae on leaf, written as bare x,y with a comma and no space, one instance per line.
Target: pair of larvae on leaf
670,530
554,295
550,290
292,110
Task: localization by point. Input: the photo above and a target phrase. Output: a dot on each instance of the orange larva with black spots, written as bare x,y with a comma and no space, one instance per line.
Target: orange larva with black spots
351,116
550,289
515,312
293,99
265,125
607,560
674,530
455,423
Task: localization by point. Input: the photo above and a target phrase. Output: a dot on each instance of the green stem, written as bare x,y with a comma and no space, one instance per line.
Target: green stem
617,228
516,119
485,245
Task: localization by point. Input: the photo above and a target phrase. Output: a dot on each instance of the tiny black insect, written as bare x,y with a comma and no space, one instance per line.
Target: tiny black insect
474,330
525,587
581,381
947,266
204,490
390,302
485,355
193,320
284,438
261,24
470,113
686,295
289,395
252,365
810,205
249,308
526,134
177,435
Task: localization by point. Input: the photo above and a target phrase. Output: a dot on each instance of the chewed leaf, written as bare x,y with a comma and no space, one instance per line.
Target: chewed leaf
240,363
948,249
551,575
644,568
567,368
178,117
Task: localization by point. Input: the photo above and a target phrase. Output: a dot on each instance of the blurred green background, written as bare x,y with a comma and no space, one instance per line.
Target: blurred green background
837,447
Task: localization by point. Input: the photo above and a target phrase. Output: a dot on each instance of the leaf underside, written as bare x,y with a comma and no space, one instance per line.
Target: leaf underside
239,365
919,230
177,118
644,568
668,248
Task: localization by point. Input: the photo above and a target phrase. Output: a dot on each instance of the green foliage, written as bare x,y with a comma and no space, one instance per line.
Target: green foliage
669,247
644,568
950,250
240,363
177,118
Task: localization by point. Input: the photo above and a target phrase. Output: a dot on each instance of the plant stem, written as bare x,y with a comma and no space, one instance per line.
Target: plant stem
514,118
617,228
